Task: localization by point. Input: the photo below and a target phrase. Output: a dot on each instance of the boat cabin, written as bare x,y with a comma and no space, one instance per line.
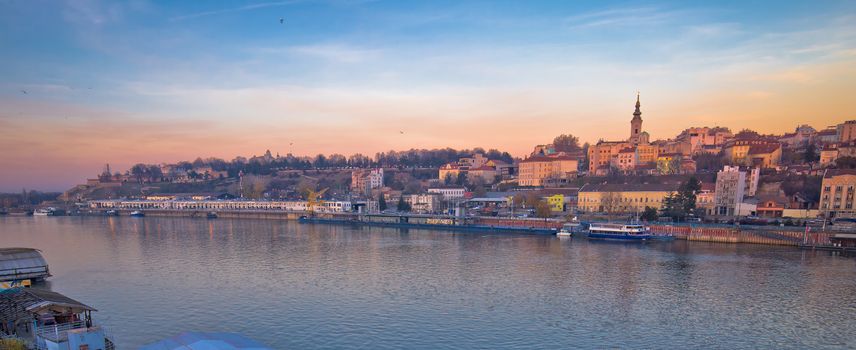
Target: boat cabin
49,320
22,264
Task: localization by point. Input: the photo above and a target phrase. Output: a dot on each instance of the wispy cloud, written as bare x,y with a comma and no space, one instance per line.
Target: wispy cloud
234,9
621,17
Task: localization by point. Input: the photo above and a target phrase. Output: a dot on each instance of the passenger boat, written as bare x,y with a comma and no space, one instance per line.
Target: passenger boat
137,213
211,215
620,232
111,212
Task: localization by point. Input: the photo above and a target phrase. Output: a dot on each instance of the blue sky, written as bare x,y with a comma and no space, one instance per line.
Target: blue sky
125,82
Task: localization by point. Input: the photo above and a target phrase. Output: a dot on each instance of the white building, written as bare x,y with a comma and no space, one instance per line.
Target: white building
449,193
365,180
730,190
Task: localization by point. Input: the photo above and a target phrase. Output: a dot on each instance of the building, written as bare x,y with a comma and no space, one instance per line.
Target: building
846,131
755,152
669,163
702,139
623,198
626,160
827,136
424,203
837,193
556,202
449,193
365,180
706,197
602,156
535,170
487,174
801,137
730,191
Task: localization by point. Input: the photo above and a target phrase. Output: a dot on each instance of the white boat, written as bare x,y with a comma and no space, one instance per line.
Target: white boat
137,213
568,230
45,212
620,232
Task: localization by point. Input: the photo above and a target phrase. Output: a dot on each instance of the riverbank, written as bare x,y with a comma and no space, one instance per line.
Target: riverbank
698,232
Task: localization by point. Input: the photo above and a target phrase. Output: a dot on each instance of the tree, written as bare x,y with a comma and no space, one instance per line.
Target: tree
747,134
542,209
447,180
649,214
566,143
611,202
402,205
139,171
681,204
811,155
381,202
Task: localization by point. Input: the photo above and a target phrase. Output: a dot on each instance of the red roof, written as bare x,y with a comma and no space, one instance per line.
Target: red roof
827,132
764,148
628,150
483,168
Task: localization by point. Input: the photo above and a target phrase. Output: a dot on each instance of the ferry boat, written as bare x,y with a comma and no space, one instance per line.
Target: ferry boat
137,213
620,232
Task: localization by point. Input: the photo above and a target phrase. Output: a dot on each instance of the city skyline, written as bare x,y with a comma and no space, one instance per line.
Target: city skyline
155,82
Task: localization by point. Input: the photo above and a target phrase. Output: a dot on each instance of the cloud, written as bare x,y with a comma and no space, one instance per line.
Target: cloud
234,9
621,17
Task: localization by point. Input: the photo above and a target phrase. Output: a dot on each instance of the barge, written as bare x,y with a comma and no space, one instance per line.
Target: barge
440,225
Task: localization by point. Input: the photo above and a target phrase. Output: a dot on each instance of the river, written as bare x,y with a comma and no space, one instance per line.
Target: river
314,286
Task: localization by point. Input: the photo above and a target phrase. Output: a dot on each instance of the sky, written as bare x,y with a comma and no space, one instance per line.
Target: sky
84,83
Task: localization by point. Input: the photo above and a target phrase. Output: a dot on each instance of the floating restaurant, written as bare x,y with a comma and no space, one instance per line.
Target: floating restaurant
46,320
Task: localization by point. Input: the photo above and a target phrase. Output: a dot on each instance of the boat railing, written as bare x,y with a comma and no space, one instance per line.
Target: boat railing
59,332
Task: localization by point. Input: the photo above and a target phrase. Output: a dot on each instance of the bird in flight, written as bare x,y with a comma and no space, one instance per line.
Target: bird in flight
402,132
281,20
24,91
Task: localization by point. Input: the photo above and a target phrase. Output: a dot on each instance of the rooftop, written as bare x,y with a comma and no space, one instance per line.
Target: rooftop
659,187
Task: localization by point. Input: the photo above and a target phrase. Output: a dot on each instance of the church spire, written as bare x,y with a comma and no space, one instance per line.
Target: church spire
637,113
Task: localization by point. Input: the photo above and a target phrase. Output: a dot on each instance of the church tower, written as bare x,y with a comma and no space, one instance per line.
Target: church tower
636,123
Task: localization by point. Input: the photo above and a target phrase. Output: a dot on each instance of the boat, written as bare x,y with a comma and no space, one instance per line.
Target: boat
620,232
111,212
568,229
49,211
22,265
43,319
137,213
211,215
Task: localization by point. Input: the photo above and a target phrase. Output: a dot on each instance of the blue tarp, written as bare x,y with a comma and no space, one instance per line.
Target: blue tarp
206,341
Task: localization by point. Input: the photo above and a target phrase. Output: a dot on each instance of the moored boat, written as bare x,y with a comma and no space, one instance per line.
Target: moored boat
137,213
211,215
620,232
568,229
49,211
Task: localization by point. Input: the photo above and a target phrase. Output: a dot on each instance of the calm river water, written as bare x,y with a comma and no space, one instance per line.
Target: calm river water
300,286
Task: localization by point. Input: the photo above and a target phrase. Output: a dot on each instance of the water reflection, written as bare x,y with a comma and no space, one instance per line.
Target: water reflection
330,287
